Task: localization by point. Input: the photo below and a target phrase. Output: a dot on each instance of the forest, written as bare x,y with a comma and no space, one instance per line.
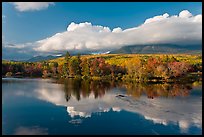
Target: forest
125,67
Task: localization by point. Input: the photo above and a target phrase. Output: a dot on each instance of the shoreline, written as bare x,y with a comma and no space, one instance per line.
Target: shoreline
182,80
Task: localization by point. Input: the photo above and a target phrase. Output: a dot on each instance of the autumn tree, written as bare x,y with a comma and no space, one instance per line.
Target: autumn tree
65,70
94,67
53,66
85,67
178,68
151,66
98,67
74,66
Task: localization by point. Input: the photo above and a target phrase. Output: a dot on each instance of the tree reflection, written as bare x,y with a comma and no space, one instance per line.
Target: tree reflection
99,88
158,90
84,88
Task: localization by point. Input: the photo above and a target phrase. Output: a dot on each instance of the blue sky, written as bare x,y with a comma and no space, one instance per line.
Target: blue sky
30,26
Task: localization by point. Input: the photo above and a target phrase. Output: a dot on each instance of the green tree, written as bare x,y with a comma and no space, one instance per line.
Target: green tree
65,70
67,57
74,66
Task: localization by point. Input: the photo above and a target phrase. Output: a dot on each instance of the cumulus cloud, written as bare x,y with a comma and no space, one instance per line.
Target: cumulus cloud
31,6
185,14
182,29
157,18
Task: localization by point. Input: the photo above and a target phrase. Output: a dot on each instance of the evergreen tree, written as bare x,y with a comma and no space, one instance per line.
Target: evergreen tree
67,57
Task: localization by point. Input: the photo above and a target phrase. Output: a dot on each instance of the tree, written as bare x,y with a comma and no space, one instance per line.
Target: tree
178,68
135,69
98,67
65,66
85,67
151,66
74,66
54,66
161,71
94,69
65,70
67,57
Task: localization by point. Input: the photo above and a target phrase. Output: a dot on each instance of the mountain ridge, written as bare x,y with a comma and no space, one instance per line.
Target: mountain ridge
135,49
157,48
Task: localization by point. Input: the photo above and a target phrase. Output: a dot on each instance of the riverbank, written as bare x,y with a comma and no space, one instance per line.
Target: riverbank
190,78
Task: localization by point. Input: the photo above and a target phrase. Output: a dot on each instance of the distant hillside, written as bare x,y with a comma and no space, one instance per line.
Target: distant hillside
158,48
42,58
132,49
72,53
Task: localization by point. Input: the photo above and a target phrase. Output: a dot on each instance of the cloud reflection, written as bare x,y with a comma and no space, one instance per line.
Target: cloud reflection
184,112
31,131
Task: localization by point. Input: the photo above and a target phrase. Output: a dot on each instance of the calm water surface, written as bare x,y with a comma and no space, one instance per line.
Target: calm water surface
43,106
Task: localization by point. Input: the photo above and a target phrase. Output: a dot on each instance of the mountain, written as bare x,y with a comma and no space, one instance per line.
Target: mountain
131,49
42,58
158,48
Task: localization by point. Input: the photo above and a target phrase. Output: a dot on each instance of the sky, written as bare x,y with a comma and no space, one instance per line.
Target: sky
40,28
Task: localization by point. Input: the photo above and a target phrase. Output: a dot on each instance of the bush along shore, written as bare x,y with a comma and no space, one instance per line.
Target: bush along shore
124,67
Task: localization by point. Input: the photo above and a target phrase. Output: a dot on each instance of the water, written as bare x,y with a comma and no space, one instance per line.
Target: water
43,106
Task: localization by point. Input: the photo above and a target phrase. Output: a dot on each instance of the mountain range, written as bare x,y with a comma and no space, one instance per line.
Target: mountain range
158,48
136,49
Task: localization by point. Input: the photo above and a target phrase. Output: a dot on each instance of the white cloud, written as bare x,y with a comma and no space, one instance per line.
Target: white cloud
198,18
31,6
182,29
19,46
185,14
157,18
117,30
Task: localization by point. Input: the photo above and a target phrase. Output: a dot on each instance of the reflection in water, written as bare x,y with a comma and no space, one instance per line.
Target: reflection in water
82,89
31,131
75,121
78,88
158,90
160,103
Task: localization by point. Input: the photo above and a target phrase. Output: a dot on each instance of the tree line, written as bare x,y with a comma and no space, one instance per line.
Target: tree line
153,68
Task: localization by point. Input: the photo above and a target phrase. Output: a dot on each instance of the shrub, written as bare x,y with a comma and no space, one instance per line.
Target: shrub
9,74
